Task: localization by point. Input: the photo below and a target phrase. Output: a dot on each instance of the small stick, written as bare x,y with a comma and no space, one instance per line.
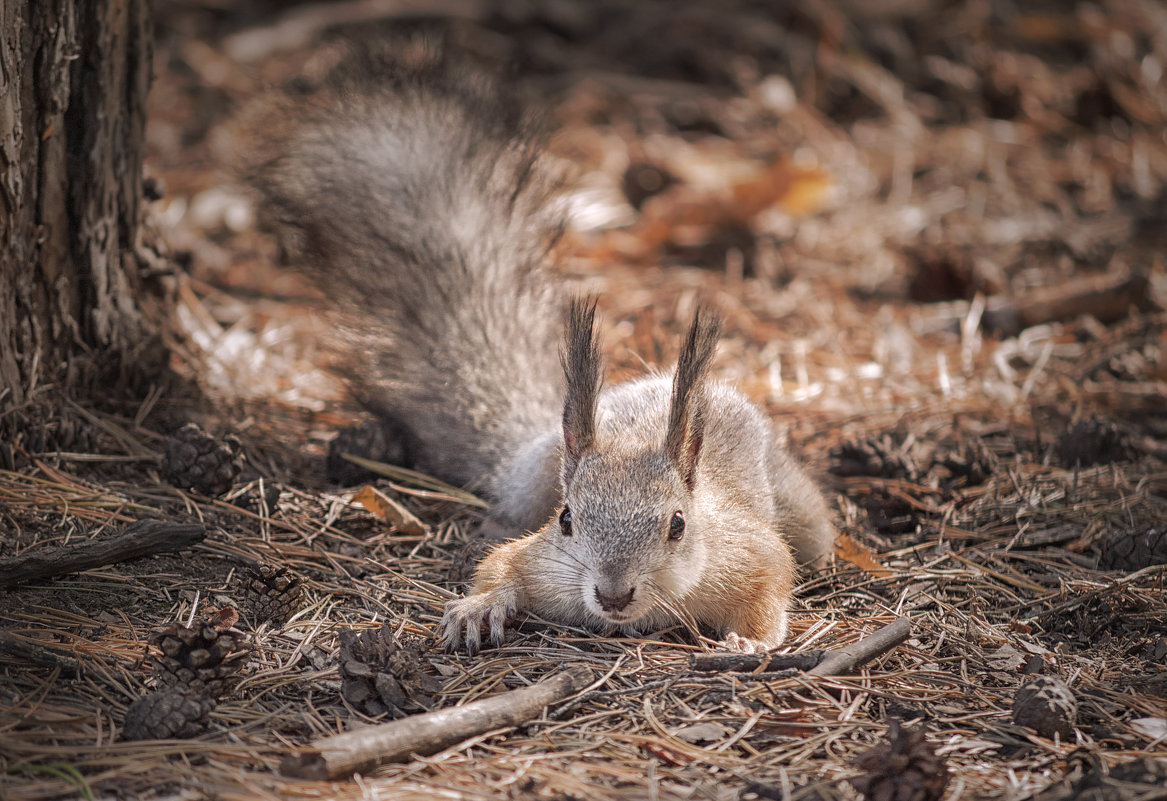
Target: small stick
816,663
140,538
30,652
364,749
1106,297
840,661
754,663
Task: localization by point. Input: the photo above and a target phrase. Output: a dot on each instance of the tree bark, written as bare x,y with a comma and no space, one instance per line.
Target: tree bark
73,81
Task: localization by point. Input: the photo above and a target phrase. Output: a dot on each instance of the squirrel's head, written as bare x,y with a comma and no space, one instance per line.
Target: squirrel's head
630,529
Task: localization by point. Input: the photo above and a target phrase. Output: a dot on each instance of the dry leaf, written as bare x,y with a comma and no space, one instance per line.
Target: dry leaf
1155,728
707,732
796,190
224,618
669,755
689,215
1006,658
807,193
387,510
859,555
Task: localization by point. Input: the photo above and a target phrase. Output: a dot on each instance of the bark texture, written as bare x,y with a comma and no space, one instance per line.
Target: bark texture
73,82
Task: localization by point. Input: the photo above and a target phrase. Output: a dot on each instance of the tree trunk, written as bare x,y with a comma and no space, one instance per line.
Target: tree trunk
73,81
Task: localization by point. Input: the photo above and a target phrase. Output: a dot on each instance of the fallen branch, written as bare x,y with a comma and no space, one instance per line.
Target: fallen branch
141,538
364,749
1106,298
832,662
29,652
755,663
840,661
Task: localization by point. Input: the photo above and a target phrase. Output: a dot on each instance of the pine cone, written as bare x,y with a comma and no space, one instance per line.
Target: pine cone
1144,770
1087,780
249,497
201,659
890,514
196,460
882,457
1047,706
1093,441
905,768
271,593
165,715
973,462
1134,549
376,439
384,675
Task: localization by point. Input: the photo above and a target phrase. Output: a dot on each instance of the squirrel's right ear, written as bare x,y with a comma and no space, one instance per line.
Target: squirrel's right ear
689,408
581,367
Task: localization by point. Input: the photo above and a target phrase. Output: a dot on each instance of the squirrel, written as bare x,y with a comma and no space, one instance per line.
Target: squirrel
414,190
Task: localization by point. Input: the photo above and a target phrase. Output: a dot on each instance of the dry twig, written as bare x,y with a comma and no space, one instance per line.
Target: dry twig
143,538
832,662
362,750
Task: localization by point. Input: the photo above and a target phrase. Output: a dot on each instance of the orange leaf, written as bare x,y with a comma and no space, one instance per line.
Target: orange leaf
795,190
859,555
387,510
806,193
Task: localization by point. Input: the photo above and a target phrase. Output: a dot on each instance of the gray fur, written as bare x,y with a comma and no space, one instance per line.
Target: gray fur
412,190
413,194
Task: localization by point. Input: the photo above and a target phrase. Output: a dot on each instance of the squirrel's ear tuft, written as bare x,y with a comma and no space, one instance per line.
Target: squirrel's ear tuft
581,366
690,402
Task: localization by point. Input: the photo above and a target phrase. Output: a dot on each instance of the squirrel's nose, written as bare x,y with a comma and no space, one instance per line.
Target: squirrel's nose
613,603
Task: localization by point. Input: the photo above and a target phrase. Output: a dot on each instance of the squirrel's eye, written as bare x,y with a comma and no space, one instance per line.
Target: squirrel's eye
565,522
677,526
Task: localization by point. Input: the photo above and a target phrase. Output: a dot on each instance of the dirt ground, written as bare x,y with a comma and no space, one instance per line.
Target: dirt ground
936,230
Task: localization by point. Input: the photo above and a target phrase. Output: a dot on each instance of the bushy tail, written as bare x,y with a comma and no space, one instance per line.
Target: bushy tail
410,188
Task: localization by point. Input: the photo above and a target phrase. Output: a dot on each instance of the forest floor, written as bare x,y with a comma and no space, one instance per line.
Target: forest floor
936,232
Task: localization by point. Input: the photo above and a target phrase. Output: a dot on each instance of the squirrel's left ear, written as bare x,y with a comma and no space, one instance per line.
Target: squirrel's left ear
690,402
581,367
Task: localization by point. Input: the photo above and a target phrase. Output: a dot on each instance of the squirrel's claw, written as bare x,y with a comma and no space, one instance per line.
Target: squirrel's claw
735,642
464,618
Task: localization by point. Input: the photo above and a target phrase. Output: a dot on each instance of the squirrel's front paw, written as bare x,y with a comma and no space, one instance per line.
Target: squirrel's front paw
735,642
464,618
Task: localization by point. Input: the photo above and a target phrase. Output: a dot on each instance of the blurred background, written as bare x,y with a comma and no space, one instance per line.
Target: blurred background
936,230
870,190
